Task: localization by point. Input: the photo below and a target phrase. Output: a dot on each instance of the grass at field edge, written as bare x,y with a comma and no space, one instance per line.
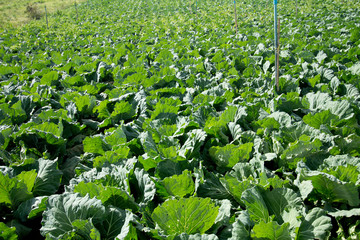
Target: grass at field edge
13,13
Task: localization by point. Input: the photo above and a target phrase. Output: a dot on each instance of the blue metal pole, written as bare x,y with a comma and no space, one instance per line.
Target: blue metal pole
275,23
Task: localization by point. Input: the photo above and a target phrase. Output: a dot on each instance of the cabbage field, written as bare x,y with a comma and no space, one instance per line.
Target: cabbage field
153,119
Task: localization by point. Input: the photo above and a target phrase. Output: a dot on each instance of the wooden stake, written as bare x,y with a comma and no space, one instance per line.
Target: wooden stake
77,15
236,25
47,23
277,55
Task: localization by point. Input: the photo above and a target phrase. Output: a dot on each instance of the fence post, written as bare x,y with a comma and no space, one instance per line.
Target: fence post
236,25
196,15
77,15
47,23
